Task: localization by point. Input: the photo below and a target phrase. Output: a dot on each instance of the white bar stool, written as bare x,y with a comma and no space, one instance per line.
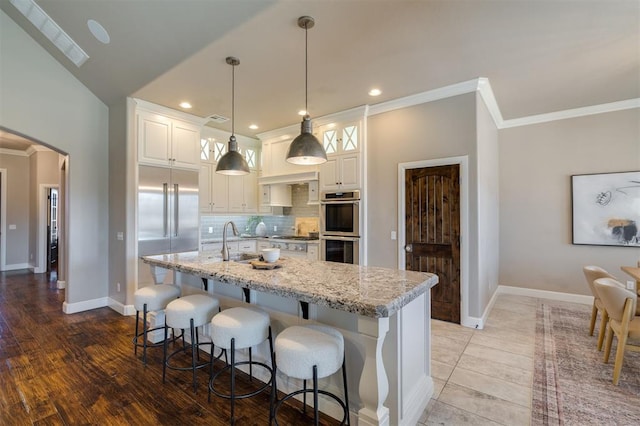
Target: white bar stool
239,328
310,352
151,299
189,312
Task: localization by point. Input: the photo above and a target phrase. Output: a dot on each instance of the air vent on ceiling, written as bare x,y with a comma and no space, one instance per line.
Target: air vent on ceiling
217,118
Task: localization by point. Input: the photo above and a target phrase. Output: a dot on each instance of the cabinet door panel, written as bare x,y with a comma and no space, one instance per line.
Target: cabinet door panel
329,175
205,188
154,139
350,172
250,190
220,192
185,148
236,193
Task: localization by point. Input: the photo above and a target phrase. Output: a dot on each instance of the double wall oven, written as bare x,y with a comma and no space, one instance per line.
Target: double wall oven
340,227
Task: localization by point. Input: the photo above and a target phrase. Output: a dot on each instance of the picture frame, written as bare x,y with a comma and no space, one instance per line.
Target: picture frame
606,209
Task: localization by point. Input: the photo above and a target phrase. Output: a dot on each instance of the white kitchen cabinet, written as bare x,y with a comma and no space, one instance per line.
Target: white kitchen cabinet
262,244
247,246
214,190
276,195
168,142
340,173
343,167
313,251
314,196
243,193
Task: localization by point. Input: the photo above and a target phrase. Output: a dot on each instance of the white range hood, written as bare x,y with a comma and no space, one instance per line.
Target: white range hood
290,178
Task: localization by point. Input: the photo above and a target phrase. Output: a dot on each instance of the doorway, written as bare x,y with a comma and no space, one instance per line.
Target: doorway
52,230
433,223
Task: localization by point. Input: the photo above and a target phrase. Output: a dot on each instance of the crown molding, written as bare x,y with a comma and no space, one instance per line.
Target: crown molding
465,87
169,112
16,152
571,113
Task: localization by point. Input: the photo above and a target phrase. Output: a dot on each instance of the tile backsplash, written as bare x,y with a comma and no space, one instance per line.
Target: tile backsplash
276,225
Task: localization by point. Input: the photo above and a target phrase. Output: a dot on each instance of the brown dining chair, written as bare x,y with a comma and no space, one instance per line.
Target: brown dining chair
620,304
592,273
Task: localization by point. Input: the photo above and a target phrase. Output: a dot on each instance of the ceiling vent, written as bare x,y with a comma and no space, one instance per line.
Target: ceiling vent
217,118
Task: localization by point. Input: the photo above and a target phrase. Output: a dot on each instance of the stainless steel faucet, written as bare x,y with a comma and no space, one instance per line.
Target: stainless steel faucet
225,248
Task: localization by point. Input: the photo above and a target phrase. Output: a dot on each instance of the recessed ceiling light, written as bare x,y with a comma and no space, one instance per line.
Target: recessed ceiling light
98,31
375,92
185,105
302,112
253,126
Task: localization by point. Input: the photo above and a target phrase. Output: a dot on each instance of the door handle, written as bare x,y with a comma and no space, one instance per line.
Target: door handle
408,248
165,209
176,203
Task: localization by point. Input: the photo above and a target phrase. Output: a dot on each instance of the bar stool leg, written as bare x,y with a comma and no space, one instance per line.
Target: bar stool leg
144,334
233,380
346,391
304,396
250,366
316,420
193,354
164,352
274,387
135,344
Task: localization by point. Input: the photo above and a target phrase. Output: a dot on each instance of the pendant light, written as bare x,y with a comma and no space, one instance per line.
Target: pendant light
232,163
306,149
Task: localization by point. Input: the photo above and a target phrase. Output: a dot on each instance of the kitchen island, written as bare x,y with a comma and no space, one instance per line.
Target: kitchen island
384,315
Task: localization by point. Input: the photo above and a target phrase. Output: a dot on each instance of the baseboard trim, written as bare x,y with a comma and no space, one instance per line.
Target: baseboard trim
416,402
16,266
545,294
478,323
86,305
121,308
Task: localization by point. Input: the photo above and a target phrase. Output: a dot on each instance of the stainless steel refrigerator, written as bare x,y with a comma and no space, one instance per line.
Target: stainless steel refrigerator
167,210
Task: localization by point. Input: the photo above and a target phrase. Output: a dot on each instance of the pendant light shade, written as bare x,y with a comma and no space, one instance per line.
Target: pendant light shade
306,149
232,163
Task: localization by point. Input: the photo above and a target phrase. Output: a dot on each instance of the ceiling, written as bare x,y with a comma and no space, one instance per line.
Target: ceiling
540,56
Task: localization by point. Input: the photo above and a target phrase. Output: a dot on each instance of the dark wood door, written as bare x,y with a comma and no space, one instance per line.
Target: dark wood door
432,233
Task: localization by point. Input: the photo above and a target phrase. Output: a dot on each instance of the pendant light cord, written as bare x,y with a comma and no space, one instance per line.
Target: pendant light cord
233,99
306,70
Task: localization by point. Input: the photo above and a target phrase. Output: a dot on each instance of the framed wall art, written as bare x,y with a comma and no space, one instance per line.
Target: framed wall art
606,209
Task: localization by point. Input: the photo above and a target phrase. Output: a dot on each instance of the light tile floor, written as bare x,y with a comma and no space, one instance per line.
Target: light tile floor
484,377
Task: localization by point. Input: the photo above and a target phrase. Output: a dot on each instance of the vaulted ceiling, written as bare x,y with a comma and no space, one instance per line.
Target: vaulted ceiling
540,55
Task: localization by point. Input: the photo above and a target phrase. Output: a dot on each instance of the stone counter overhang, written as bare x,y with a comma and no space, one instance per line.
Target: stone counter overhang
366,290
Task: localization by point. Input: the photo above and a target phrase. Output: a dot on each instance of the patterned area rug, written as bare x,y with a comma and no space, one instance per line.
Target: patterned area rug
572,386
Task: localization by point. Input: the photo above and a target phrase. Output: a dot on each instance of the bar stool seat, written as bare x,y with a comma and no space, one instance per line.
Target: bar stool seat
189,312
238,328
310,352
152,298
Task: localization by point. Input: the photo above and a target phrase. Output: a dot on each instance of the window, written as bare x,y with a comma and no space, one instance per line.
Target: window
330,141
250,156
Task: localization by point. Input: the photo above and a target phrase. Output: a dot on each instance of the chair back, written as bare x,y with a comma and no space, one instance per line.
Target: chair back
592,273
614,295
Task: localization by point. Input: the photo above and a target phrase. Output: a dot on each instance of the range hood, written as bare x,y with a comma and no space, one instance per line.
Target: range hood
291,178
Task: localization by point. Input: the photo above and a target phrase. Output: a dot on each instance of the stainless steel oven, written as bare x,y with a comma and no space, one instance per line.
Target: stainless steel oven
340,213
340,249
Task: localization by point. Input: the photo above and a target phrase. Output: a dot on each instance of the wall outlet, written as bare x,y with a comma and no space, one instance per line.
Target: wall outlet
631,285
275,228
31,256
119,236
118,287
211,229
394,235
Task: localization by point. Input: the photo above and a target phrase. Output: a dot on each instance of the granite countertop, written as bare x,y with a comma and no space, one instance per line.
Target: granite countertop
365,290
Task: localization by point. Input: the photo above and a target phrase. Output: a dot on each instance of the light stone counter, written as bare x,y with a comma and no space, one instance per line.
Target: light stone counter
365,290
373,307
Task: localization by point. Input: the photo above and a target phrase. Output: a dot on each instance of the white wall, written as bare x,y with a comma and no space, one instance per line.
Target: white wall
488,224
536,164
44,101
17,210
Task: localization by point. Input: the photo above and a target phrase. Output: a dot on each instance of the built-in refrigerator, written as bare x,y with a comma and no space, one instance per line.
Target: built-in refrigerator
167,210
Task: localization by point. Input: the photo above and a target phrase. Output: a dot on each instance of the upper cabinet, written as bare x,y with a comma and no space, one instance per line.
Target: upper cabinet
221,193
168,142
274,154
342,171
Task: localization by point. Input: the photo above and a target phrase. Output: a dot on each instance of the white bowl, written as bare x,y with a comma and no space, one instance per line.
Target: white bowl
270,255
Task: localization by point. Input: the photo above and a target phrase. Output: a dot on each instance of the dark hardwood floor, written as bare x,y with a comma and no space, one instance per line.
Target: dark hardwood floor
59,369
